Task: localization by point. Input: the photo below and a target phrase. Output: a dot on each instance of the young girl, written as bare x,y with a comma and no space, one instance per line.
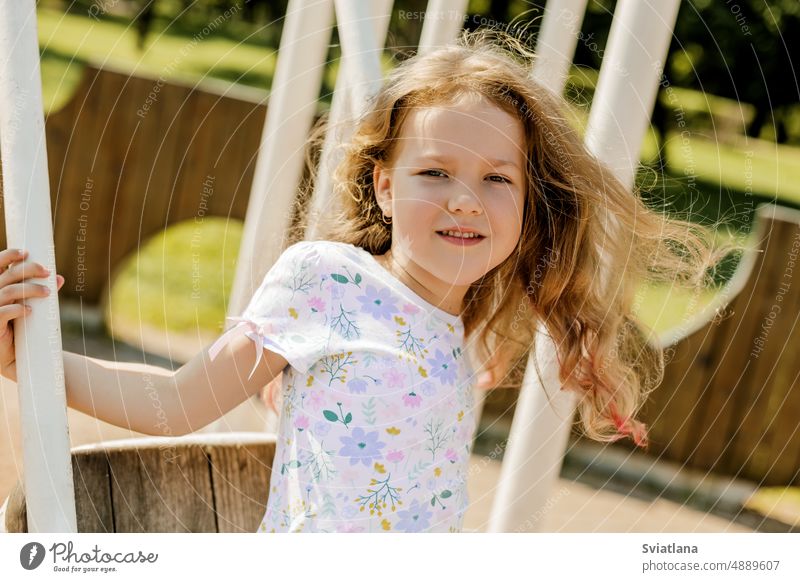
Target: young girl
468,210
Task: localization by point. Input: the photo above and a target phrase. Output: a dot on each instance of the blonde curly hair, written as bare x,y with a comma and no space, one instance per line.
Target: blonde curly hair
554,274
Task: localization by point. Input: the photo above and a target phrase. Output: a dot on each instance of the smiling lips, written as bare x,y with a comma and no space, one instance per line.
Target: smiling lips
461,237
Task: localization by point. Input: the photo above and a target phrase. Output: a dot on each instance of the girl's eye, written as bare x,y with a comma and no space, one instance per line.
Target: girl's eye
500,180
434,173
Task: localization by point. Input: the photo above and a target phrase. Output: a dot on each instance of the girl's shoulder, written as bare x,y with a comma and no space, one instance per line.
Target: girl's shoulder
323,253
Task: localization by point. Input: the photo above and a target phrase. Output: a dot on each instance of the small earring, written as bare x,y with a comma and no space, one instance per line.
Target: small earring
387,220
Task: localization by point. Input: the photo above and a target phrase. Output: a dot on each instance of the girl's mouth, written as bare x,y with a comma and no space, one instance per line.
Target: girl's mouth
466,241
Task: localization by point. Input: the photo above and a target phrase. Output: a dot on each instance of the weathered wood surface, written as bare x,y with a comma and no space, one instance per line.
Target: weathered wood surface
203,483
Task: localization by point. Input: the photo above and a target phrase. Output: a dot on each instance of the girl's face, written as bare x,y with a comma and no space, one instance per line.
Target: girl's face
454,167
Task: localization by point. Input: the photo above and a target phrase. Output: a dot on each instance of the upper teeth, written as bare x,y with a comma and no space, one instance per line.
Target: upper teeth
460,234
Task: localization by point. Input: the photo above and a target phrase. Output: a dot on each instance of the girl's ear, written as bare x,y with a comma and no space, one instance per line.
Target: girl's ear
382,183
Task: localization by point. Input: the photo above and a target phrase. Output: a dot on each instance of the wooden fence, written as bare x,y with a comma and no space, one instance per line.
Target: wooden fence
730,401
129,156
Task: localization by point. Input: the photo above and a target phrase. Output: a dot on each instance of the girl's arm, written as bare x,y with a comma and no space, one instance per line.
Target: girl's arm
157,401
135,396
139,397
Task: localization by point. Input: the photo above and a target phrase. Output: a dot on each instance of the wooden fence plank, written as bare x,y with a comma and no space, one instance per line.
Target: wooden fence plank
78,206
730,384
750,429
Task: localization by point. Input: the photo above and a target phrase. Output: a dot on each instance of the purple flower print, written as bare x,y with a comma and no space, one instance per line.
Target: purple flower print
443,366
316,304
322,428
363,447
337,291
379,303
451,455
415,518
357,385
428,388
412,399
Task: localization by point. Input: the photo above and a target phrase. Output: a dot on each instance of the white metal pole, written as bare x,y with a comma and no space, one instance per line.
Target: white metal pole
342,108
621,110
40,367
555,46
360,49
628,84
540,429
290,114
444,20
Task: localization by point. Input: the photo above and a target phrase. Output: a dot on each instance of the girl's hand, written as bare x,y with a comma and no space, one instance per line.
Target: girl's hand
14,271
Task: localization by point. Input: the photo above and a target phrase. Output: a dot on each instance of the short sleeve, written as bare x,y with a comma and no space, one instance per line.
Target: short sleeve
288,312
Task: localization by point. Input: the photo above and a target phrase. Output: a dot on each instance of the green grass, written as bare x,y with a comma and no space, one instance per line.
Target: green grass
68,41
665,307
756,166
181,279
752,166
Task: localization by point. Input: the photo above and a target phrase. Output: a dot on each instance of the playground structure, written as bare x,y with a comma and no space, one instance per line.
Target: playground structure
113,473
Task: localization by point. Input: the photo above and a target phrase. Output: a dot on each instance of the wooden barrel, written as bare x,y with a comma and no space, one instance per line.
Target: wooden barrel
197,483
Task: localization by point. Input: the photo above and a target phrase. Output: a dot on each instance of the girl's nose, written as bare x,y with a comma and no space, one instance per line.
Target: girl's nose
464,200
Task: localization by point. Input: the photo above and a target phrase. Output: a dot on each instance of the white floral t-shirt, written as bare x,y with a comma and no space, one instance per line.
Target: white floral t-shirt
376,420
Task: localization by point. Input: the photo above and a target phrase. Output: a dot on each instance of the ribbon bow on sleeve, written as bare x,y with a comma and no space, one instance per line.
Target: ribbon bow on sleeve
243,326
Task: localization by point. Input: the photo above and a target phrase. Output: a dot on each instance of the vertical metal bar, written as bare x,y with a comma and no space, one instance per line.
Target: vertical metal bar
555,46
444,20
360,50
341,111
40,366
540,429
290,115
621,110
628,83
